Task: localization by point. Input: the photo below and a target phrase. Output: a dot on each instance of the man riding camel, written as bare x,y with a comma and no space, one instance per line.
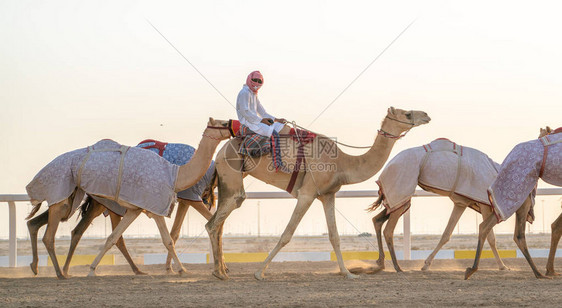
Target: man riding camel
250,111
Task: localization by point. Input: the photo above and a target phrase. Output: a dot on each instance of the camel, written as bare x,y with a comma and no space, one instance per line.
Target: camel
325,171
461,173
148,163
92,209
513,192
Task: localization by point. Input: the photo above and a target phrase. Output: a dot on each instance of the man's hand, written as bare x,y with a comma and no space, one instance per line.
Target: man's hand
267,121
282,120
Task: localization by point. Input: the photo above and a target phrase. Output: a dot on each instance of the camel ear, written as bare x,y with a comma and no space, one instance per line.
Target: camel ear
211,121
548,129
391,110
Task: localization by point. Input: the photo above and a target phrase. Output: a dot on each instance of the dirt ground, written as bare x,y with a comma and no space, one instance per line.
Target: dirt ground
314,284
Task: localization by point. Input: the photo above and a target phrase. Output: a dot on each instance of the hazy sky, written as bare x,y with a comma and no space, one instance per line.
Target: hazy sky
73,72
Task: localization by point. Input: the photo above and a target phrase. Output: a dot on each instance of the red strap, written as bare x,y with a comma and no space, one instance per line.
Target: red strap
159,145
300,160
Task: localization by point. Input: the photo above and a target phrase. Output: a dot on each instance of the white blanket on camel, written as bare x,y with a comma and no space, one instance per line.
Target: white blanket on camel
441,164
520,172
109,170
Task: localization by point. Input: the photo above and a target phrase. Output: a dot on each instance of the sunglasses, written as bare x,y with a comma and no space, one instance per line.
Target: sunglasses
257,80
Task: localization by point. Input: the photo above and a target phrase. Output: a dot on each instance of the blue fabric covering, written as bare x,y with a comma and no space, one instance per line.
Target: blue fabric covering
180,154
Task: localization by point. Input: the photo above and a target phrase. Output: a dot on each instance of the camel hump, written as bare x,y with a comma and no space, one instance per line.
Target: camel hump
442,144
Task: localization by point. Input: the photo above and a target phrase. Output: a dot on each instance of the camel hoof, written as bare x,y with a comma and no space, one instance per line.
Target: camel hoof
504,268
92,274
351,276
220,276
425,268
66,275
259,276
140,273
469,271
541,276
170,271
399,270
552,274
33,268
182,272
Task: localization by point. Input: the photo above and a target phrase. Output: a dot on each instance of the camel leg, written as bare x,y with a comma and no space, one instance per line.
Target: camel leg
458,210
487,211
115,220
554,239
167,240
200,207
215,227
129,217
93,212
378,222
519,236
33,226
231,196
303,204
483,231
329,202
56,213
389,237
183,206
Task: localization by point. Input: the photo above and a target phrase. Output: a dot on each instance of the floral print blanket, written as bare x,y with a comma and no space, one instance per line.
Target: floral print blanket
108,170
520,172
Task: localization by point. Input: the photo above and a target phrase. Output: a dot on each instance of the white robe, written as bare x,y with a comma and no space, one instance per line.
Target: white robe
250,113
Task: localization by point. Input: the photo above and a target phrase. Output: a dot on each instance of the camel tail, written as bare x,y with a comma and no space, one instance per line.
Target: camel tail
34,211
376,204
208,194
86,206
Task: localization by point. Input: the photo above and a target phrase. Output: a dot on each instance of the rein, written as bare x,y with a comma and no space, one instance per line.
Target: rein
216,127
380,132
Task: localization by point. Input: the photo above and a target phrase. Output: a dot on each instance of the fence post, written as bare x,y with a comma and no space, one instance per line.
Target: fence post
13,242
407,240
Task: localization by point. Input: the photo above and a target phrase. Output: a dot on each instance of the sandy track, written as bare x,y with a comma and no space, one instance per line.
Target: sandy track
287,284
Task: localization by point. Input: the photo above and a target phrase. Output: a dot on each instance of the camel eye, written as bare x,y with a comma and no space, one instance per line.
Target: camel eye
409,115
224,124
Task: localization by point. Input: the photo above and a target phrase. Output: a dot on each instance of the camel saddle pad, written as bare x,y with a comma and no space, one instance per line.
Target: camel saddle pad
441,164
180,154
520,172
109,170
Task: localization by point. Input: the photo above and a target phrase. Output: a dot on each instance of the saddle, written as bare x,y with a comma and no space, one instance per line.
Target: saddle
154,144
255,145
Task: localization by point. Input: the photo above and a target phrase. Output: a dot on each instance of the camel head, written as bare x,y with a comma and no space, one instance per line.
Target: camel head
217,129
406,119
546,131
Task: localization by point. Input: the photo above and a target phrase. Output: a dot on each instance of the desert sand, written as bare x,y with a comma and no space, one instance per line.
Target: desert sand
287,283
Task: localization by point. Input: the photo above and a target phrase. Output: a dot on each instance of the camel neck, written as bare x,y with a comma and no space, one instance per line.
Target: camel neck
193,171
361,168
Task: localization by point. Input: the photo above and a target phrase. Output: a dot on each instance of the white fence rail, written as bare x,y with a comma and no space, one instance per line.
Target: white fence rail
12,199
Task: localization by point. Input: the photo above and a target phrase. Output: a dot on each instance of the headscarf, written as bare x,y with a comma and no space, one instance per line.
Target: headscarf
254,86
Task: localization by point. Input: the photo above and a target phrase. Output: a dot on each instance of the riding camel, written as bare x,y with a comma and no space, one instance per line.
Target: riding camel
513,192
325,169
443,167
136,179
